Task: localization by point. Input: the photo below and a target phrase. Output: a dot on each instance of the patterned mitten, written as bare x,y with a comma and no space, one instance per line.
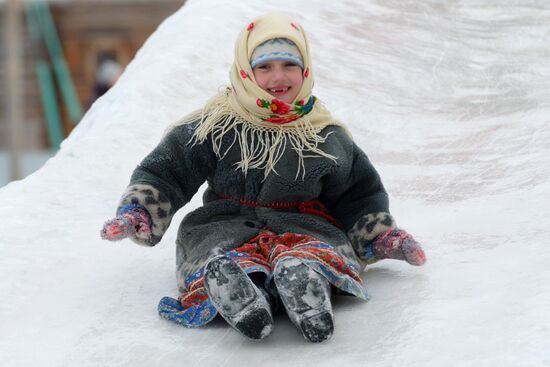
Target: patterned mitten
132,221
397,244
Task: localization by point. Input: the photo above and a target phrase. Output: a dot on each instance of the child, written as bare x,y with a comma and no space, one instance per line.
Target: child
291,207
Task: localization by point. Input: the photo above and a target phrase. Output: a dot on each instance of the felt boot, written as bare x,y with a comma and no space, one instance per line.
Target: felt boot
305,295
237,299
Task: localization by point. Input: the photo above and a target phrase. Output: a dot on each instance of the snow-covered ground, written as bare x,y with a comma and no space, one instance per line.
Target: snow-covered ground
450,99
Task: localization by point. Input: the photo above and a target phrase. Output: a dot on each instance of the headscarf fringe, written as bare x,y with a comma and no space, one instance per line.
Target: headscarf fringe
242,110
261,147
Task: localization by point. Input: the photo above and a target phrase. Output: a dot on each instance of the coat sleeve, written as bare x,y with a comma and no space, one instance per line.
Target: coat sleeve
356,197
168,178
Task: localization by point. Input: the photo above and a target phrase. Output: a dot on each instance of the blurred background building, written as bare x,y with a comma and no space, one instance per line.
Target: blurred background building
57,57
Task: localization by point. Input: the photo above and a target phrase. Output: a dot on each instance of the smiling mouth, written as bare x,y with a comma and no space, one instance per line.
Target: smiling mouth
279,90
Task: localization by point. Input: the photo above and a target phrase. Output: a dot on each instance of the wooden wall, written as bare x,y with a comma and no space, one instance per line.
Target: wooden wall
89,31
34,135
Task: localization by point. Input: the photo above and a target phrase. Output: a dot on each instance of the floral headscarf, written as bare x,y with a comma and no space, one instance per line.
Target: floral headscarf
263,124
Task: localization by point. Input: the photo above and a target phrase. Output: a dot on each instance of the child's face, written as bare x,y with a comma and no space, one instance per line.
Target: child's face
281,79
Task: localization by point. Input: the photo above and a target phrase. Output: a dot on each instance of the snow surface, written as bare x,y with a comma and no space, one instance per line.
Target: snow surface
450,99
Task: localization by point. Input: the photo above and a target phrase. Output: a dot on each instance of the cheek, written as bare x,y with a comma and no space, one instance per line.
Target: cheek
261,80
297,81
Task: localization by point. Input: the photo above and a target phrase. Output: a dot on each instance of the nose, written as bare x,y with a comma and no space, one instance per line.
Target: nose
278,73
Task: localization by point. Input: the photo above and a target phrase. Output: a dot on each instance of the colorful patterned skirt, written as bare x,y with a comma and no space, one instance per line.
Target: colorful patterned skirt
259,255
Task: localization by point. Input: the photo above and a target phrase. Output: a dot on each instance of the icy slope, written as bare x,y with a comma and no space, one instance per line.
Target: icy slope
451,100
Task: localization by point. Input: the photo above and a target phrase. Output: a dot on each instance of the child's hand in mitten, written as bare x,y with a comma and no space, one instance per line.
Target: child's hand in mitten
398,244
132,221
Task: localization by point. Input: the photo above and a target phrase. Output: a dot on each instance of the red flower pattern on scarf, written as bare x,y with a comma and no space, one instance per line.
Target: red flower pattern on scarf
286,113
279,107
282,120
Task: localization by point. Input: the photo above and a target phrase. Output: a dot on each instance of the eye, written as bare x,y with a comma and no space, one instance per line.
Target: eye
263,67
290,64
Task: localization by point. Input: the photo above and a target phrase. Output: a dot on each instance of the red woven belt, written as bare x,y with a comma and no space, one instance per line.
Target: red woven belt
313,207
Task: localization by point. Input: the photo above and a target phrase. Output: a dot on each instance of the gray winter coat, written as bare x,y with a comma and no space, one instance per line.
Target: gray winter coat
171,174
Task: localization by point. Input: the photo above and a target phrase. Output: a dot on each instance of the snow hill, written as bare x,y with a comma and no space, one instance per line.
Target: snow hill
450,99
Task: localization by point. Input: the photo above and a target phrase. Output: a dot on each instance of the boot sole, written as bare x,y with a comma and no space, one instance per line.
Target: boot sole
318,328
237,299
316,324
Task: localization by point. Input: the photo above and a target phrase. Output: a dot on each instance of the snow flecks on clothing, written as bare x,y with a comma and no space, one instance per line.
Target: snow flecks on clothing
306,297
259,257
237,299
228,286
